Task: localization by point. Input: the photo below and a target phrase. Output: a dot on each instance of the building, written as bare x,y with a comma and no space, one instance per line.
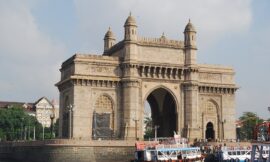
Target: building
103,96
46,111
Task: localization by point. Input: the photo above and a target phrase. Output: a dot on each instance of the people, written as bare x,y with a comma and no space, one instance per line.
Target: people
179,156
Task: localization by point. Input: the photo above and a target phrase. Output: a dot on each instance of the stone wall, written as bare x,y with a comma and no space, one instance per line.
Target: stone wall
68,151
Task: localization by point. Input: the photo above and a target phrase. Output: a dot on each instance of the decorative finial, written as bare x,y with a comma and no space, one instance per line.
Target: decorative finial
129,13
189,20
163,35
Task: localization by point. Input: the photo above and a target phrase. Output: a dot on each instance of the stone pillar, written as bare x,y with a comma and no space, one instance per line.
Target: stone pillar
191,110
81,112
228,111
131,106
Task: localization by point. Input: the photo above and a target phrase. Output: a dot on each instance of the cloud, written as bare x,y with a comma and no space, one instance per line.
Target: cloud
30,58
211,18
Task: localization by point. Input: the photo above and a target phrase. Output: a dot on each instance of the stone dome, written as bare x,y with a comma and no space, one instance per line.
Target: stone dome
130,21
109,34
190,27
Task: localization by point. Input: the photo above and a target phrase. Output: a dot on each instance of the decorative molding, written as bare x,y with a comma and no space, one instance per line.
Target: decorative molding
217,89
160,42
131,83
95,83
210,77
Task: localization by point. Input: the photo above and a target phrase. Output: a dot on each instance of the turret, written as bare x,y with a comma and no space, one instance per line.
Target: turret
109,40
190,35
130,29
190,44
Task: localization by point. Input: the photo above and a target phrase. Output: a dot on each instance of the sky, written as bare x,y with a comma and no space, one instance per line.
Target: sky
36,36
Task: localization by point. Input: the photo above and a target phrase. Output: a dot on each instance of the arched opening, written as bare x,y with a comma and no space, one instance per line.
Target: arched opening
210,133
103,118
162,108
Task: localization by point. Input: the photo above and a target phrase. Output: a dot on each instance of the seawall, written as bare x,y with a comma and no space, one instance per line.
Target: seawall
68,151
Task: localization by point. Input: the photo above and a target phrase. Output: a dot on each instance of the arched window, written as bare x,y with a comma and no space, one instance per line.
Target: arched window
103,118
210,132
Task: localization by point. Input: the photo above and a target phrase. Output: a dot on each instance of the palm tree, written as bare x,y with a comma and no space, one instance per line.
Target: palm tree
148,133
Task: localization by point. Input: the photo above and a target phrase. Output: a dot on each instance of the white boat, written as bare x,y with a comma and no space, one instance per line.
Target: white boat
164,149
241,154
234,153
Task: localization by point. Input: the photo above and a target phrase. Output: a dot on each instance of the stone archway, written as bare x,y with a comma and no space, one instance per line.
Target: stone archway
163,112
210,132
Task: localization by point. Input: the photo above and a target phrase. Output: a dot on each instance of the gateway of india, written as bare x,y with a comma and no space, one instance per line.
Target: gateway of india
104,96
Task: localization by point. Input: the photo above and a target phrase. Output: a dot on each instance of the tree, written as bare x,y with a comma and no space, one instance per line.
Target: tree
15,124
56,127
248,120
148,133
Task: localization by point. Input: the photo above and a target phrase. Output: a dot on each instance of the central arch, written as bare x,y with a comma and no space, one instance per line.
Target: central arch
210,132
163,112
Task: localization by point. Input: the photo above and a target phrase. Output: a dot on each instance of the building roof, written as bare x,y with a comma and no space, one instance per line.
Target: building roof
190,27
8,104
109,34
45,98
130,21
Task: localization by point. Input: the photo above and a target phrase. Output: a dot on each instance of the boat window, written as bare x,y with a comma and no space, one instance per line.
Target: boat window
238,152
229,153
248,153
243,152
234,153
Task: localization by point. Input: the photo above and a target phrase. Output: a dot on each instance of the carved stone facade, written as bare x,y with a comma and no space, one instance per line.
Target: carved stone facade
192,99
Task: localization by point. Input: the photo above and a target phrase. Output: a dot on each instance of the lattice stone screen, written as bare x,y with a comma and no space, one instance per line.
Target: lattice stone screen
103,118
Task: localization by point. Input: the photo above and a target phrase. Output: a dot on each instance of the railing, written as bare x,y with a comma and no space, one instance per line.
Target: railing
161,41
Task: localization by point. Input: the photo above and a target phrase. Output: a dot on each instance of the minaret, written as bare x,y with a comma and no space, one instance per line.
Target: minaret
109,40
190,86
130,39
130,82
190,44
130,29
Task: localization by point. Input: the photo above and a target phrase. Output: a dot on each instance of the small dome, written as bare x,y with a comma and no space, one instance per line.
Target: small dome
130,21
109,34
190,27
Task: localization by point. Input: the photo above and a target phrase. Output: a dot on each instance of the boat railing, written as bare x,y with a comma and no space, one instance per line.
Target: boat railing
161,146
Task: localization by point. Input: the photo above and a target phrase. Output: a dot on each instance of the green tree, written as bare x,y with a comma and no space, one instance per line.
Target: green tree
249,120
148,133
15,124
56,128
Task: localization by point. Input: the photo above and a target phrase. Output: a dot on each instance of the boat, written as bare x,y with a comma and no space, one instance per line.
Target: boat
260,151
234,154
166,149
240,154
